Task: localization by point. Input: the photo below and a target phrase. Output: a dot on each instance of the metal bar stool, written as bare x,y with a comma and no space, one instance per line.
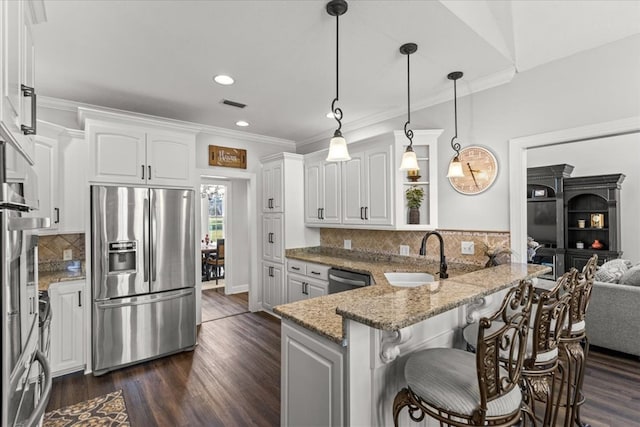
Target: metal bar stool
574,345
462,389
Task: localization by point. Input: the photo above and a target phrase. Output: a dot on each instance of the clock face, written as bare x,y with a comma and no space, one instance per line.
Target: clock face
480,169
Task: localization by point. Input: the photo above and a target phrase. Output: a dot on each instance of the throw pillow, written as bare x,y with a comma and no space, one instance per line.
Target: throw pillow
612,271
631,277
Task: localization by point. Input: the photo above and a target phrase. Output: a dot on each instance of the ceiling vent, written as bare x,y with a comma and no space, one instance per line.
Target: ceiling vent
233,103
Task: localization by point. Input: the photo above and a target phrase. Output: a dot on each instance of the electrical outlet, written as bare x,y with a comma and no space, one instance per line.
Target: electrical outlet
67,255
467,248
404,250
347,244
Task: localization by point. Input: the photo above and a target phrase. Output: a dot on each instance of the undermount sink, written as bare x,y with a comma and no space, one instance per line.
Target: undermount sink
408,280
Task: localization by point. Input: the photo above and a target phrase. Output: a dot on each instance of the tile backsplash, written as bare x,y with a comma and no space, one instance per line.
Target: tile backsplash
388,242
51,250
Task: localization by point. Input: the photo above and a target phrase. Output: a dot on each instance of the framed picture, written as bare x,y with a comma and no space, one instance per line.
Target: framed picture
541,192
597,220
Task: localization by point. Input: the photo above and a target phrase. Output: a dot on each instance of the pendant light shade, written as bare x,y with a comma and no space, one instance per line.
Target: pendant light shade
409,159
455,167
338,151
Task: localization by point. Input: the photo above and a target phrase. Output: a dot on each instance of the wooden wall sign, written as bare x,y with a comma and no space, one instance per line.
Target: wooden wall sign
227,157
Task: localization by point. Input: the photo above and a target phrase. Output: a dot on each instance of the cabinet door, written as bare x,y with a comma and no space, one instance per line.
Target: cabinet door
117,154
170,159
353,200
312,379
67,327
46,166
272,186
73,156
316,289
13,18
378,181
295,289
312,192
272,241
28,79
271,285
331,193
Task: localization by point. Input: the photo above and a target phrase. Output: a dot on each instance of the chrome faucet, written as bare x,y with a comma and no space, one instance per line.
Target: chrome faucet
443,259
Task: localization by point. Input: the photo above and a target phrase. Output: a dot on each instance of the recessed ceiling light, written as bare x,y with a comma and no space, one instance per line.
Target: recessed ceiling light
330,115
223,80
242,123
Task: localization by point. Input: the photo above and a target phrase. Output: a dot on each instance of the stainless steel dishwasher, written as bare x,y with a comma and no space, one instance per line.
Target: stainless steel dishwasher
344,280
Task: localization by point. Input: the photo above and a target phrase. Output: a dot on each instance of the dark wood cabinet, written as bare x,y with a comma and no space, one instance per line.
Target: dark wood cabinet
592,218
545,215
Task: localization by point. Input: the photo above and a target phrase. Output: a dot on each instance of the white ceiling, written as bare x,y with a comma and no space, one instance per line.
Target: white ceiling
159,57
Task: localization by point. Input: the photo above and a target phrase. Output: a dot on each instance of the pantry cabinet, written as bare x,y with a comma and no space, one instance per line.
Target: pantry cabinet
272,249
67,326
272,186
130,154
272,285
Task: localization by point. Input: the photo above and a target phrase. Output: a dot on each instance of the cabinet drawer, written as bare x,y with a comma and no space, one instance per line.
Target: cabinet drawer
297,267
318,271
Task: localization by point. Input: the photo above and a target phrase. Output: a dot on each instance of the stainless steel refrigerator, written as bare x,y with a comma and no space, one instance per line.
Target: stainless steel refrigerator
143,274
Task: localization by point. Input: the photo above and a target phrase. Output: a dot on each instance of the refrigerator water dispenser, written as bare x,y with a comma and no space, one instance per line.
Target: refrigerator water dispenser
122,257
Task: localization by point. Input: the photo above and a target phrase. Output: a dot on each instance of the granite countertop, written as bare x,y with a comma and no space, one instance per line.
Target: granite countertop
46,278
387,307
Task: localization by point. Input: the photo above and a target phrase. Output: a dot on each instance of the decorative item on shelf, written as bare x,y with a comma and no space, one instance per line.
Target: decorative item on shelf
579,245
338,151
539,192
597,220
409,159
414,195
581,223
413,175
597,244
498,253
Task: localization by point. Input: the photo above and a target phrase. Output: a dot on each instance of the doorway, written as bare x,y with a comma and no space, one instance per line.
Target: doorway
213,232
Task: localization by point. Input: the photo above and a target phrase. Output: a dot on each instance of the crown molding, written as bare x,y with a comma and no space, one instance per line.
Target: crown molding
53,130
85,110
445,95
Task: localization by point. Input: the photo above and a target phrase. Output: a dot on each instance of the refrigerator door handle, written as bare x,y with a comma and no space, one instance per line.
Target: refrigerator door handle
154,234
38,411
147,299
145,241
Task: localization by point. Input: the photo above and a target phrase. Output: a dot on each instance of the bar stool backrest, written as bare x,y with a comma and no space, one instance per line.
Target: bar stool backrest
497,374
580,297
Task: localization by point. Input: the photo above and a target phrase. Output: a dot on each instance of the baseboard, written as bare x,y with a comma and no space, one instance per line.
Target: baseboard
238,289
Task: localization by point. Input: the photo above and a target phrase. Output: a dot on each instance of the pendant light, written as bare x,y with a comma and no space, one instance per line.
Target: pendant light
455,167
338,151
409,159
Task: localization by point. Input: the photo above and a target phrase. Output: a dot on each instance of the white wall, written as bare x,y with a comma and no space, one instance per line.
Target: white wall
618,154
595,86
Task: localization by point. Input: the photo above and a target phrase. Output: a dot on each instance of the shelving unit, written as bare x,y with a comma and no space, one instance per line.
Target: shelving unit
585,197
545,215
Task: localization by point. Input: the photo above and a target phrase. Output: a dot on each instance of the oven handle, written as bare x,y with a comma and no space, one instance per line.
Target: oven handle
347,281
38,411
21,223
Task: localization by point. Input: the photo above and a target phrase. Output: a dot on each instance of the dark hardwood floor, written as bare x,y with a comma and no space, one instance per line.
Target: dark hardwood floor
232,378
216,305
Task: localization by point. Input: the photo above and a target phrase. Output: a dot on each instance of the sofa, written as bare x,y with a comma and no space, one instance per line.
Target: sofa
613,315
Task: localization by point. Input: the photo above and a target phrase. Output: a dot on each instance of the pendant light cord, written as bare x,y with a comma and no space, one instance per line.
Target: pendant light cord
408,132
337,112
455,146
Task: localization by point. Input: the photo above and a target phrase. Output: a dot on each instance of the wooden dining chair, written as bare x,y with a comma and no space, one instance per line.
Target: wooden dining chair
216,262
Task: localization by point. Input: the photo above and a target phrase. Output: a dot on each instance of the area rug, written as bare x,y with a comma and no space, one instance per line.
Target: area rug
108,410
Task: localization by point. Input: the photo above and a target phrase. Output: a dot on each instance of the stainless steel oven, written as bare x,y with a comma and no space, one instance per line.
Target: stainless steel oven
26,377
345,280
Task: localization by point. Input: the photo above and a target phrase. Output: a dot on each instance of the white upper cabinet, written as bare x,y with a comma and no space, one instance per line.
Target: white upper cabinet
46,167
17,89
126,154
367,181
368,191
272,186
322,191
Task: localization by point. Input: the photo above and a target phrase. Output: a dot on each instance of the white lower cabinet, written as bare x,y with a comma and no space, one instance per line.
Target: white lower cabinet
67,326
272,284
312,379
306,280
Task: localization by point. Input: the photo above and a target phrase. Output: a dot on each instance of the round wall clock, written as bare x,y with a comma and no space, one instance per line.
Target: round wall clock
480,169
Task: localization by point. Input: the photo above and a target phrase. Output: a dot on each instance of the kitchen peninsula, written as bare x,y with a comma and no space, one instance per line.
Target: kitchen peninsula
345,352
